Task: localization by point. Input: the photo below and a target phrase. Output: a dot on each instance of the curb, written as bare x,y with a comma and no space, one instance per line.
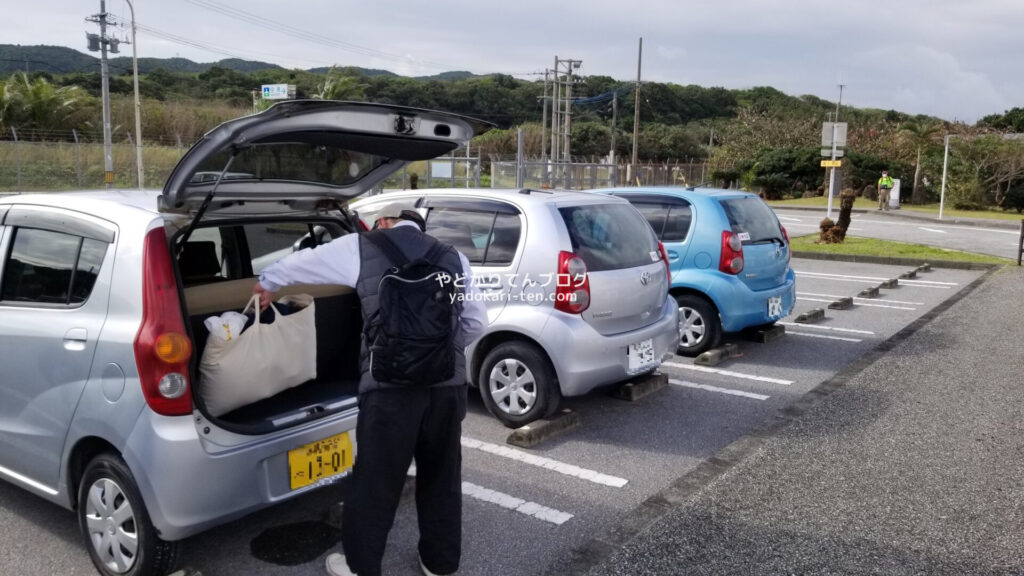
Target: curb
911,214
891,260
540,430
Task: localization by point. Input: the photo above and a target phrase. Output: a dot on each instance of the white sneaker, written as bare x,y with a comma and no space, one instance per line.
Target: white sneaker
337,565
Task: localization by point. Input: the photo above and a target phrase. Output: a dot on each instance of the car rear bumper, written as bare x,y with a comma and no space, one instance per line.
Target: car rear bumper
740,307
585,359
188,490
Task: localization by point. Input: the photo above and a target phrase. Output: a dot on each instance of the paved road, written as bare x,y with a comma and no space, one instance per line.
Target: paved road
914,465
995,238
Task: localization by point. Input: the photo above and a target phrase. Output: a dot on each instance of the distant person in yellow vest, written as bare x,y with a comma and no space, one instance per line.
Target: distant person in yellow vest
885,184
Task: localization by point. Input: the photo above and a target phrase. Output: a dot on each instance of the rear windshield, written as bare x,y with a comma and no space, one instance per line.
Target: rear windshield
752,219
610,236
290,161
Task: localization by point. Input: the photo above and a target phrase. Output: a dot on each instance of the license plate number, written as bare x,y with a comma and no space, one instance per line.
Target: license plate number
322,459
641,355
775,307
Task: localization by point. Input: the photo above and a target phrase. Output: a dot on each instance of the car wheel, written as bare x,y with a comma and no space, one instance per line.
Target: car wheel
113,519
699,326
518,384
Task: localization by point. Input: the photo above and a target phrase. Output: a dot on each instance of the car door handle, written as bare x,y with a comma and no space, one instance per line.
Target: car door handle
75,339
673,255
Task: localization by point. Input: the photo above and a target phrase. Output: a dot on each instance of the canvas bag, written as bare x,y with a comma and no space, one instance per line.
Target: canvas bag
262,361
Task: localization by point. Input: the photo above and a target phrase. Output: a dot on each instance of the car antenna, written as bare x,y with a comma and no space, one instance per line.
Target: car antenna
204,206
701,185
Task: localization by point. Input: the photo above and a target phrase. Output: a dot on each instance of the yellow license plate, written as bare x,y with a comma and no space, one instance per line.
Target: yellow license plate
312,462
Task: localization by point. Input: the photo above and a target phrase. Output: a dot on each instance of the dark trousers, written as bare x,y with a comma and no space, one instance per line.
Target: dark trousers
395,426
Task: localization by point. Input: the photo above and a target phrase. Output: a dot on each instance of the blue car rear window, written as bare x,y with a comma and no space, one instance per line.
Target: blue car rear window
751,216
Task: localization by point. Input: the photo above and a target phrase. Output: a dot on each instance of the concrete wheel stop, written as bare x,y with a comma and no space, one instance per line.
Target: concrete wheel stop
538,431
766,335
640,387
810,316
868,292
716,356
841,304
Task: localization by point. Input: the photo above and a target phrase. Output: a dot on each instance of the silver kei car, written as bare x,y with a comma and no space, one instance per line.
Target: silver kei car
576,287
102,301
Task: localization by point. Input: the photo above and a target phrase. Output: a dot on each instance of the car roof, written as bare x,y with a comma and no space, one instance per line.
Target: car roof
683,191
97,202
521,196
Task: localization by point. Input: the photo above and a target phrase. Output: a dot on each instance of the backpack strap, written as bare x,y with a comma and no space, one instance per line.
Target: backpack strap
436,252
388,246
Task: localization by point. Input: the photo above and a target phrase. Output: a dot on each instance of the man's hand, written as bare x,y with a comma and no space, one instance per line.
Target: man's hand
266,296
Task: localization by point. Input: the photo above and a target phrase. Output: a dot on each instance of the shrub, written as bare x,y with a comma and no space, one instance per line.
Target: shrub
1014,199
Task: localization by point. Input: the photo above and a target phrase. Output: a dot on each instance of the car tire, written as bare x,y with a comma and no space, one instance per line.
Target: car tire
113,519
518,384
699,326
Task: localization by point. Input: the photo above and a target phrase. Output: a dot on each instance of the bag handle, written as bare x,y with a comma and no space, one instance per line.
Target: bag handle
254,303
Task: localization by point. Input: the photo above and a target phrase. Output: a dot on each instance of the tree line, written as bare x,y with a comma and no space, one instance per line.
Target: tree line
758,138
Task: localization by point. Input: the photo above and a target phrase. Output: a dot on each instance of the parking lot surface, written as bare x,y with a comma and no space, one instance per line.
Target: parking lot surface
527,510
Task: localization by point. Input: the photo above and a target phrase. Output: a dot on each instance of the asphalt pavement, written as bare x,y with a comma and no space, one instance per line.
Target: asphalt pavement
909,461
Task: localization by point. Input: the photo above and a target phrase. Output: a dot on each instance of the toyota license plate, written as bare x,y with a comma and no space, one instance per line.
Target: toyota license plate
641,355
322,459
775,307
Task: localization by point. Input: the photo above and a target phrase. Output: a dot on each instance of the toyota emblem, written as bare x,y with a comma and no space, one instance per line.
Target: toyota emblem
645,278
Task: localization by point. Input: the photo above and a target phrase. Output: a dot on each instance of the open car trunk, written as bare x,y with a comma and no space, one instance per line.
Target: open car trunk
218,267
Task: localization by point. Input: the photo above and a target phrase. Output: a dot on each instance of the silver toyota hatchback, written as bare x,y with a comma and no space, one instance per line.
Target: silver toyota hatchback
576,288
103,296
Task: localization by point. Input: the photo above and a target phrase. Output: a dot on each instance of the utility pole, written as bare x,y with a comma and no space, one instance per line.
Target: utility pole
555,106
636,111
544,121
561,109
138,103
101,44
611,155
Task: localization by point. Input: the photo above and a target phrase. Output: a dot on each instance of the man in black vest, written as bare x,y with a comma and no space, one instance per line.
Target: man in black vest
397,424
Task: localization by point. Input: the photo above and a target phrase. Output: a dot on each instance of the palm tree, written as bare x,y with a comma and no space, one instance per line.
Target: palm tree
336,87
38,104
921,134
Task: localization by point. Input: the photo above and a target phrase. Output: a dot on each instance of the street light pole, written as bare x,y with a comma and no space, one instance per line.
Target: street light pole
832,174
138,104
945,163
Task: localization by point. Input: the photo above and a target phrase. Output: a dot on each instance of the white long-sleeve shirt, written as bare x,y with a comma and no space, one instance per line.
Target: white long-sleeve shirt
338,262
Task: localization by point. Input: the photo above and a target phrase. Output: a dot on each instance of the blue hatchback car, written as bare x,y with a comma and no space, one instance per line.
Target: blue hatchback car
728,255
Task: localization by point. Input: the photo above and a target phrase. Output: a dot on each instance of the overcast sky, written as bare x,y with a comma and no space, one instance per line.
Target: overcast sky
956,59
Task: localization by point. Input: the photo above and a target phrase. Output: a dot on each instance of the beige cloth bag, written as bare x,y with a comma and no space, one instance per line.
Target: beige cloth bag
262,361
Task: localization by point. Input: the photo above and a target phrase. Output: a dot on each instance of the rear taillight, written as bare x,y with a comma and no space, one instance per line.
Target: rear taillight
572,290
362,224
731,260
664,256
789,250
162,350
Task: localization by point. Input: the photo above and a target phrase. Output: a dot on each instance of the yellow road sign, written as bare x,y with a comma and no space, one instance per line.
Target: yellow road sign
831,163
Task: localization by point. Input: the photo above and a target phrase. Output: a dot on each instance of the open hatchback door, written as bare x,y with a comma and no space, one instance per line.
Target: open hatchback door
306,152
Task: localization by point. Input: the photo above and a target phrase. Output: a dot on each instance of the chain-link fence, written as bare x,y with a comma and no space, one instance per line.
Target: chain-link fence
586,175
44,161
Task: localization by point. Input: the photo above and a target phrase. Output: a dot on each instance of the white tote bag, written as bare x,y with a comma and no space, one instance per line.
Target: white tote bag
262,361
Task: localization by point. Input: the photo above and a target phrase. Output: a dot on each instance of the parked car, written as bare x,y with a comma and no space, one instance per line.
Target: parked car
729,259
576,287
102,301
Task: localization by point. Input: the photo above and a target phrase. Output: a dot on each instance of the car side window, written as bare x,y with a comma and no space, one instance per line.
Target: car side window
48,267
677,225
486,232
655,214
268,243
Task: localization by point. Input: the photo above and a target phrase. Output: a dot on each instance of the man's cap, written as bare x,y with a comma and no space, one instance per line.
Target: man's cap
885,171
402,211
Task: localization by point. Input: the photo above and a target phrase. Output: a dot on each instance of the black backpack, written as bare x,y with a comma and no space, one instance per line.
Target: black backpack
411,335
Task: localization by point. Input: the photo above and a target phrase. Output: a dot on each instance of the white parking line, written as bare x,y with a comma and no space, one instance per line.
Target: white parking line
859,304
510,502
832,328
886,300
538,511
727,373
542,462
728,391
789,218
916,282
932,230
822,336
867,280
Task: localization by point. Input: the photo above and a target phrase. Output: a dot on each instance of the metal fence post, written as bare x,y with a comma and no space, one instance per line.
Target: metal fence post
519,158
1020,243
78,158
451,177
17,157
430,175
178,138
